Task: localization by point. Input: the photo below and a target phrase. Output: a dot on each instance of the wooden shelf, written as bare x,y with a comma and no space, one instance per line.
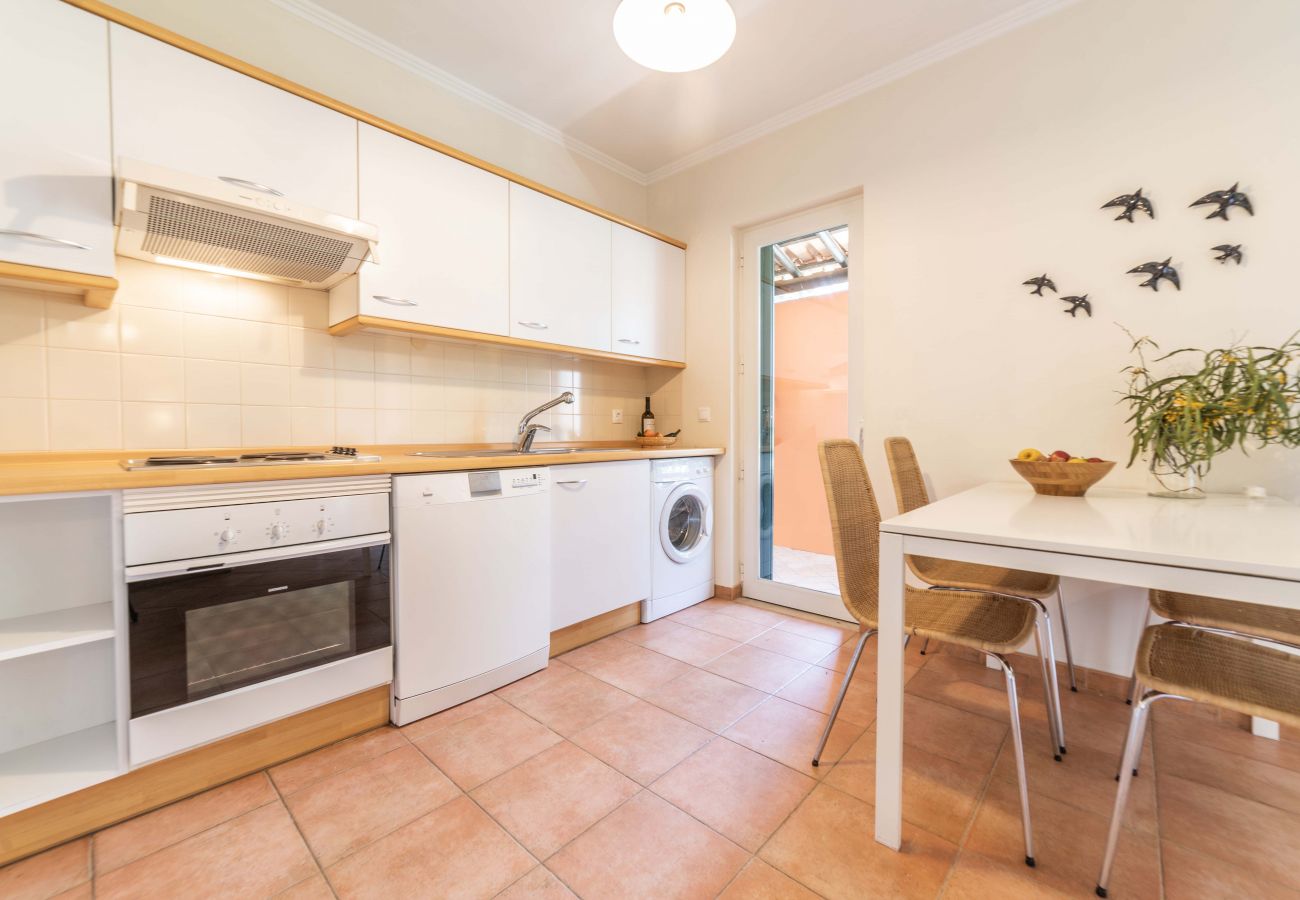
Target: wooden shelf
94,290
38,772
394,326
42,632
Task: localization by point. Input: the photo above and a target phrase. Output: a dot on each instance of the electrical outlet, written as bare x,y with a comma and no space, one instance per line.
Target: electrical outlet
616,417
704,414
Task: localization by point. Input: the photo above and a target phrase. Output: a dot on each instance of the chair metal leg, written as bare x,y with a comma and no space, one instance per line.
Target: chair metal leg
1048,699
1014,704
1056,687
1065,636
839,700
1132,751
925,646
1132,689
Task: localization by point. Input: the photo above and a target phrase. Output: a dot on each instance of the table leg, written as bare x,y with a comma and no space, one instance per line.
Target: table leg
889,694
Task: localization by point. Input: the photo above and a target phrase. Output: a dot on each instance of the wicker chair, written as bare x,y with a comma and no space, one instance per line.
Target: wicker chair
1225,669
990,623
943,574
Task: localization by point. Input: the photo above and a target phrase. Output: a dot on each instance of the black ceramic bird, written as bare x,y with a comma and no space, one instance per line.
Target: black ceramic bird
1132,203
1076,304
1042,281
1157,271
1227,252
1226,200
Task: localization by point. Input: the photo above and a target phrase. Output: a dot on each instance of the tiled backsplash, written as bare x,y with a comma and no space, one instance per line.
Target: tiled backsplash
188,359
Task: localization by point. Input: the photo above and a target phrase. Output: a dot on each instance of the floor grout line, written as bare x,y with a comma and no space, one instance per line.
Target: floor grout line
320,868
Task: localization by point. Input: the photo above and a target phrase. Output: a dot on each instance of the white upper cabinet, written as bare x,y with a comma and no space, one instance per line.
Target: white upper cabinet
649,280
444,237
177,110
559,272
56,183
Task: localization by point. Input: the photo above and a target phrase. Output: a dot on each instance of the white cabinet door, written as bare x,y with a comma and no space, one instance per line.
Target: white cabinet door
56,180
177,110
600,538
559,272
444,237
649,280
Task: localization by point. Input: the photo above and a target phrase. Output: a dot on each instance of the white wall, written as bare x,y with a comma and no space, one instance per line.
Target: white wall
988,168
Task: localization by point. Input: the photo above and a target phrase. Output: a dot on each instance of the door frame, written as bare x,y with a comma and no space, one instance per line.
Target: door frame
848,212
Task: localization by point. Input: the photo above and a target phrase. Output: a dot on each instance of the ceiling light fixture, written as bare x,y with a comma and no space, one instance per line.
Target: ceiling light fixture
674,35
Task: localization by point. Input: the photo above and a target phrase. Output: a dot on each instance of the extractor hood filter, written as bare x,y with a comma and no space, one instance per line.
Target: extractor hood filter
183,220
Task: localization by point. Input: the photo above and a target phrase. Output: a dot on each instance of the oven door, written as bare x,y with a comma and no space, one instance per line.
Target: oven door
216,626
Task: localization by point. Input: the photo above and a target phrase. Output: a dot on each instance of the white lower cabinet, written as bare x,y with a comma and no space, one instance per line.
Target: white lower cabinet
600,538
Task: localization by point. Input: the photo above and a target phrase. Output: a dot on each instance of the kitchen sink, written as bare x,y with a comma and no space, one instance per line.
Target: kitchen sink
460,454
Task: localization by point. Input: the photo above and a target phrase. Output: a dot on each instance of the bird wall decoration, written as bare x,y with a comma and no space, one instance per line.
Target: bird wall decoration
1076,304
1157,271
1042,281
1226,200
1132,203
1227,252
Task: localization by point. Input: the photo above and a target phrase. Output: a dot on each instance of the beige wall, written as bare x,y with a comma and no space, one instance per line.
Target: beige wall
988,168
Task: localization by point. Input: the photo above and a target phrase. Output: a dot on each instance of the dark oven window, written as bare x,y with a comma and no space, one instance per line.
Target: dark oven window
207,632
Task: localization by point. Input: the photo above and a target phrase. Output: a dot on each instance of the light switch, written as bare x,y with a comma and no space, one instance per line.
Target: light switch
705,414
616,416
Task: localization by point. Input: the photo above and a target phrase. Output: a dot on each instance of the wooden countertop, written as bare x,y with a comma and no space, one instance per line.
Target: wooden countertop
46,473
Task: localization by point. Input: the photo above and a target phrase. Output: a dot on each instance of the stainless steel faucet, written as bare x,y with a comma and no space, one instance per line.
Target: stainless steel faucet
528,430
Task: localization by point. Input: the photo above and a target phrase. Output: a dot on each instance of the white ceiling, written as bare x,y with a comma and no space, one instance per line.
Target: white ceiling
553,64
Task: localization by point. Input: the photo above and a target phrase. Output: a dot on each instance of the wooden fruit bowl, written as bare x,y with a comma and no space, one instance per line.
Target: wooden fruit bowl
658,442
1061,479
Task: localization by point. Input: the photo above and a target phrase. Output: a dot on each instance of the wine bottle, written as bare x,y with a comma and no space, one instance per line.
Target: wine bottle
647,419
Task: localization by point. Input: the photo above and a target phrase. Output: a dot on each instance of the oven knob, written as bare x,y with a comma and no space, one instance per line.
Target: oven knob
226,536
278,531
320,526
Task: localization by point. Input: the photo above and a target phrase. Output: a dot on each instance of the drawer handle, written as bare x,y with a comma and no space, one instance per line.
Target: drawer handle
627,341
251,185
395,301
44,237
540,326
578,481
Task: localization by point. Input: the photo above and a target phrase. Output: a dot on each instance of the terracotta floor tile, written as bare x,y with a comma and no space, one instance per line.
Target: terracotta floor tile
759,881
481,747
554,671
47,874
553,797
715,604
298,773
606,648
639,634
817,688
339,814
642,741
1241,775
138,837
1241,832
839,658
647,848
708,700
257,854
1068,844
638,671
757,614
955,734
735,791
990,702
939,795
820,631
454,851
788,733
692,614
1171,729
976,877
787,643
83,891
828,845
691,646
729,626
539,884
569,704
314,888
448,717
1193,876
757,668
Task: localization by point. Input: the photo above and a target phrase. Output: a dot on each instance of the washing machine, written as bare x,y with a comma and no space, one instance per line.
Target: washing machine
681,535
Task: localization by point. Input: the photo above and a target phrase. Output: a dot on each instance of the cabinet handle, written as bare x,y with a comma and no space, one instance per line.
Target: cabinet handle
540,326
395,301
573,481
627,341
44,237
251,185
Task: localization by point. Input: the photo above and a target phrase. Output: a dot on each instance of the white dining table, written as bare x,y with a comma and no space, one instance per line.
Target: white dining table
1222,546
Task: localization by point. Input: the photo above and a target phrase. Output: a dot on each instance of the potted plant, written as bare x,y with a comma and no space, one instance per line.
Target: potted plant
1237,396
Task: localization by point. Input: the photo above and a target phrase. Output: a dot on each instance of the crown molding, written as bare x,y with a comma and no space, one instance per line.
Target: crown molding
985,31
366,40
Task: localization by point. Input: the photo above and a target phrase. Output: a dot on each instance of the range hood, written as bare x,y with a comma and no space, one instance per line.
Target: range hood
235,228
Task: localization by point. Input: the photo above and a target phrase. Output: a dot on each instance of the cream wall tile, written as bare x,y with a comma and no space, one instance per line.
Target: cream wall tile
460,428
354,426
159,378
25,425
392,392
84,375
70,324
261,385
308,309
85,424
206,293
212,425
211,381
565,373
539,371
260,342
514,367
265,426
354,390
211,337
427,359
426,393
261,301
487,364
354,353
22,316
157,332
148,284
460,396
393,355
311,425
427,426
393,426
312,349
153,426
311,387
22,370
458,361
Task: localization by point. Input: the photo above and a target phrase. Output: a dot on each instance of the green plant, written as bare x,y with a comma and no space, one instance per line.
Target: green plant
1239,396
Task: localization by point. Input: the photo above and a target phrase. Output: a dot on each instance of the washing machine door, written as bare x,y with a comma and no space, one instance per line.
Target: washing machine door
685,523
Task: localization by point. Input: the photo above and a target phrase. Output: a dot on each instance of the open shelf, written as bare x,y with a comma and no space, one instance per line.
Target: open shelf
55,630
39,772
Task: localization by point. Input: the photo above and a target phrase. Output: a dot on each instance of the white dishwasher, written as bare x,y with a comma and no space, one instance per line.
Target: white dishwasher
471,592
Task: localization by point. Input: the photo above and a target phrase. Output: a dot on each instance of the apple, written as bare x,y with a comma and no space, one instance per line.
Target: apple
1060,456
1095,459
1029,454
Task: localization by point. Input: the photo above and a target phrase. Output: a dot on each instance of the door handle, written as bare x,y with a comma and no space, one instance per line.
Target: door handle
577,481
540,326
251,185
395,301
44,237
627,341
